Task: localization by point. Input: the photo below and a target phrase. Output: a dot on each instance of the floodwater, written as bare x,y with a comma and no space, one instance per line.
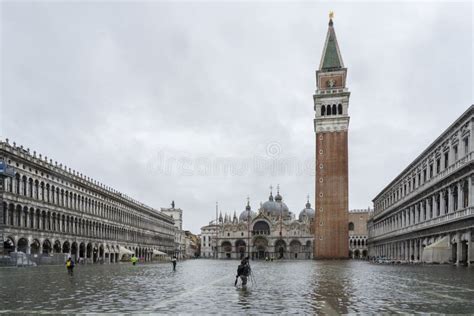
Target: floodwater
207,287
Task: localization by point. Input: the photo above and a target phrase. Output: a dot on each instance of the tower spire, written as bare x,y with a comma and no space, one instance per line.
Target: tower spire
331,58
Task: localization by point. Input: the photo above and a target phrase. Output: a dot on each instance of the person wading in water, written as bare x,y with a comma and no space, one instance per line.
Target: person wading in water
243,271
70,266
174,260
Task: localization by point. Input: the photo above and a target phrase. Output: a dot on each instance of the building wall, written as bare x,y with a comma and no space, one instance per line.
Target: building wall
331,195
358,233
48,209
432,199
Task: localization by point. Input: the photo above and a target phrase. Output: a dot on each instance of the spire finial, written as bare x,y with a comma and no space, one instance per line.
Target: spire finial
278,189
307,198
331,16
248,200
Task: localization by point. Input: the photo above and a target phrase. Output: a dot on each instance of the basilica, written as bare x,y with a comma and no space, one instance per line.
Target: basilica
273,232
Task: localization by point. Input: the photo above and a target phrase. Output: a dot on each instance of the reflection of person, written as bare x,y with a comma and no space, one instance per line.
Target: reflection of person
174,260
134,260
70,265
243,271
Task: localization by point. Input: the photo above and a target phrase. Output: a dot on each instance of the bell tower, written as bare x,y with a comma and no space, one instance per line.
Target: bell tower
331,124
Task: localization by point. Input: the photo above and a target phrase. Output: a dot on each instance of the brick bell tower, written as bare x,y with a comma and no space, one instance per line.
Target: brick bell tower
331,124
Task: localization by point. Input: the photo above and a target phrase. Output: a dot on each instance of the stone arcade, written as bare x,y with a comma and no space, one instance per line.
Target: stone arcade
47,209
427,212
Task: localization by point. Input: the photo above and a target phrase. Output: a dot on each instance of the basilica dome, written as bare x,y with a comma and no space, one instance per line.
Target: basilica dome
275,207
245,213
307,212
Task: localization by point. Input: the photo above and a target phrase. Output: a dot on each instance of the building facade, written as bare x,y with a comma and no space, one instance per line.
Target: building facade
208,240
427,212
271,232
331,123
179,235
47,209
358,233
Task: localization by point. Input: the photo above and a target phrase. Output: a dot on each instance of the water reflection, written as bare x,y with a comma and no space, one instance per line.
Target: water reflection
207,286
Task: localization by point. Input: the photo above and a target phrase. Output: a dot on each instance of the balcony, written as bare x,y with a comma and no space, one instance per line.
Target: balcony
430,182
437,221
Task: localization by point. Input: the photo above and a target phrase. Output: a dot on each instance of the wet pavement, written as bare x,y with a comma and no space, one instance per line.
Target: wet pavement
207,286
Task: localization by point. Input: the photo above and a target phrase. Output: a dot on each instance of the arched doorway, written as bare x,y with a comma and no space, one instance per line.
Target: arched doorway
66,247
22,245
351,254
357,254
280,249
309,249
74,249
89,251
82,250
47,247
240,247
35,247
57,246
8,246
260,248
101,253
95,253
226,247
295,248
364,254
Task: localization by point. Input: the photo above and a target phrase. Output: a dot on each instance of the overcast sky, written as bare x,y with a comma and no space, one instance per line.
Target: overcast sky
201,102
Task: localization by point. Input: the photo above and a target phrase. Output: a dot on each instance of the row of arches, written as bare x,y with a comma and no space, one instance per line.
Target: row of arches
53,221
90,252
327,110
358,254
357,243
54,194
261,248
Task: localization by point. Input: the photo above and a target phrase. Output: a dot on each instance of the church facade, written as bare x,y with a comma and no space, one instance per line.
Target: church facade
272,232
331,103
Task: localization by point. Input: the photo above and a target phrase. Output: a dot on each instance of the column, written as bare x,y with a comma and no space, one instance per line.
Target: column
460,195
471,190
442,203
429,208
458,248
450,200
417,249
469,252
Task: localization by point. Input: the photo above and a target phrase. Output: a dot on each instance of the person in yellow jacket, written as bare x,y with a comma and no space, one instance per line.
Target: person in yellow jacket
134,260
70,265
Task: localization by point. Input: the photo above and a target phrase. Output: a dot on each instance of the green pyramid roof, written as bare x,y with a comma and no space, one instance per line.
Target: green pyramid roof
331,58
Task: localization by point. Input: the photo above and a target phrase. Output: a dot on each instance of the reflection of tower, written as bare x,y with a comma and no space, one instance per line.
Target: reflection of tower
331,124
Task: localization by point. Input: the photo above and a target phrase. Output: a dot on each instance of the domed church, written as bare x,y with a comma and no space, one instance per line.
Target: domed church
271,232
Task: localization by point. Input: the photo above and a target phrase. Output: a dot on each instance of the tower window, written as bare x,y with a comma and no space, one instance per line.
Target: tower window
339,109
334,109
351,226
323,110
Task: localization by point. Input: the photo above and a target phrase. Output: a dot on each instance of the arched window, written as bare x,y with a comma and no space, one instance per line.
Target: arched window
339,109
351,226
334,109
323,110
